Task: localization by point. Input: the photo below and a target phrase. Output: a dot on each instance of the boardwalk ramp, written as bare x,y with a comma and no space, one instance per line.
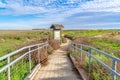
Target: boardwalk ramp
59,67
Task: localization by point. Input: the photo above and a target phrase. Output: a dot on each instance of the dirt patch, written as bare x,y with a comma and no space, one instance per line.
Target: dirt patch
69,37
82,40
107,35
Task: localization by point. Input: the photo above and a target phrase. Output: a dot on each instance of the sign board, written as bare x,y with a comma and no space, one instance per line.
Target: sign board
57,34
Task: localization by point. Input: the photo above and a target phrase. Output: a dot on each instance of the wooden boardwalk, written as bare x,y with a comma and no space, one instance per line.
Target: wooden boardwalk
59,67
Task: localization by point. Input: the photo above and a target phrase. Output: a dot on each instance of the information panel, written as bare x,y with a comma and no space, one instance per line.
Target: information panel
57,35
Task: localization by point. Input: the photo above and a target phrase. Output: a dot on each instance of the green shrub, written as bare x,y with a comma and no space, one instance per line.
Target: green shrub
3,76
96,75
68,53
63,40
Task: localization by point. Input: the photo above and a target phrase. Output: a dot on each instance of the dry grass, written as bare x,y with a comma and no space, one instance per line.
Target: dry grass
105,44
82,40
55,44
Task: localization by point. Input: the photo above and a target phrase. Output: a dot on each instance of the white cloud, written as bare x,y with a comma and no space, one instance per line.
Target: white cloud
20,7
102,5
2,5
102,24
56,11
14,26
112,25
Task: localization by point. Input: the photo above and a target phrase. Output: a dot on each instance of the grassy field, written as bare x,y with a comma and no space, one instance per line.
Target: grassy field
105,40
85,33
9,40
12,40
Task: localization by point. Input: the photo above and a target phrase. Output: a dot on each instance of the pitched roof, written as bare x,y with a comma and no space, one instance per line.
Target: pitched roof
57,26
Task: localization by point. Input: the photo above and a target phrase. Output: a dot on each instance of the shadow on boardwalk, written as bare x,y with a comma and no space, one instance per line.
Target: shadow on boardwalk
59,67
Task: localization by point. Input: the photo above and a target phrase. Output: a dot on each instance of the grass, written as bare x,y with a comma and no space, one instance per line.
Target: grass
20,70
63,40
9,46
11,40
85,33
107,43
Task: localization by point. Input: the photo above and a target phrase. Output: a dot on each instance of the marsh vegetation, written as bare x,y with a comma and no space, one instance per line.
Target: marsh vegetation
105,40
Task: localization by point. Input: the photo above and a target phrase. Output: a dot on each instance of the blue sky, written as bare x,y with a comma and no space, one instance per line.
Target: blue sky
73,14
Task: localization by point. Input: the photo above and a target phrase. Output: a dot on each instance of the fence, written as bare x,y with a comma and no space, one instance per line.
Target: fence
89,51
9,62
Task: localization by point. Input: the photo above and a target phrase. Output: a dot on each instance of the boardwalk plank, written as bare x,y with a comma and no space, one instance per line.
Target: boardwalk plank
59,67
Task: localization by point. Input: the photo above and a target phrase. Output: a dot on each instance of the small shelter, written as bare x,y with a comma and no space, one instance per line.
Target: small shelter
57,28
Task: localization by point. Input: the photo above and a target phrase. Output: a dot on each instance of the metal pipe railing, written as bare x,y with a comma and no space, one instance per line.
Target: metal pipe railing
115,60
10,63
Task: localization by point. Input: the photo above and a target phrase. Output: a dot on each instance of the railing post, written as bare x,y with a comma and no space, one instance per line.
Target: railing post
8,74
38,54
46,48
114,64
74,48
81,53
71,48
90,53
29,60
